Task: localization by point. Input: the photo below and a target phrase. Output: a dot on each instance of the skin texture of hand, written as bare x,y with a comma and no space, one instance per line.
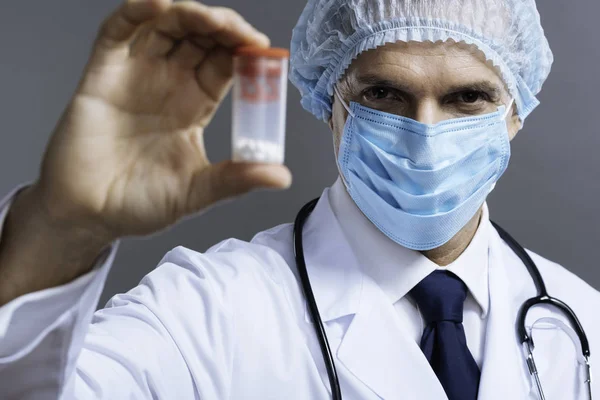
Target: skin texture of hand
127,156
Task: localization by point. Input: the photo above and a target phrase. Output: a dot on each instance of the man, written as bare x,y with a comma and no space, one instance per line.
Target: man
418,293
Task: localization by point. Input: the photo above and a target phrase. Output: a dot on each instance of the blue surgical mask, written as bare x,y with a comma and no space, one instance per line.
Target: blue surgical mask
420,184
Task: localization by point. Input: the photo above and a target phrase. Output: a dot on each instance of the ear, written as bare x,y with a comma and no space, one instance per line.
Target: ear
514,124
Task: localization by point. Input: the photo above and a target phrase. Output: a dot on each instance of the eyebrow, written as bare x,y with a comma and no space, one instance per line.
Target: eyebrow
477,86
375,80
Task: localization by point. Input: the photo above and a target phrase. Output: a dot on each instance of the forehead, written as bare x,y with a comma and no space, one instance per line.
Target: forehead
425,63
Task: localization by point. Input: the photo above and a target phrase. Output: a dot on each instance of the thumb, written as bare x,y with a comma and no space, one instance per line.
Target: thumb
229,179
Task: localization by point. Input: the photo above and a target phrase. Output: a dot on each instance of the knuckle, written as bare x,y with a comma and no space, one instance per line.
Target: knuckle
227,12
104,27
229,17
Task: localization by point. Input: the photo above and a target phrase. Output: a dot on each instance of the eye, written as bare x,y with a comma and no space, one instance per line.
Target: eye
378,93
472,96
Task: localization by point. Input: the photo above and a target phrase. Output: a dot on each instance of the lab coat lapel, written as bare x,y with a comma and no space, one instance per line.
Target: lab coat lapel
377,350
504,375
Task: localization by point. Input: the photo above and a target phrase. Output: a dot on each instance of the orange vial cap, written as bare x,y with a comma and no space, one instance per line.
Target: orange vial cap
269,52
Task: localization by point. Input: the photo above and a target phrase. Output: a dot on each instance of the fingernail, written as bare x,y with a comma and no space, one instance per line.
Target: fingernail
264,38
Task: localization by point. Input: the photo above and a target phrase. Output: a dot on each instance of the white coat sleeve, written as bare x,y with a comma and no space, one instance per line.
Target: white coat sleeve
171,337
41,332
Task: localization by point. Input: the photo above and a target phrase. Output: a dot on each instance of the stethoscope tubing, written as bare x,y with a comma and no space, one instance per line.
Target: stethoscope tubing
301,218
542,298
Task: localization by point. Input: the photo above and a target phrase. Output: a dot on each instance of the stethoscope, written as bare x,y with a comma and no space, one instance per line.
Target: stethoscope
526,338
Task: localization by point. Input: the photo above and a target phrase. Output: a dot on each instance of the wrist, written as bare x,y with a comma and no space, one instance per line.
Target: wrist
38,251
51,216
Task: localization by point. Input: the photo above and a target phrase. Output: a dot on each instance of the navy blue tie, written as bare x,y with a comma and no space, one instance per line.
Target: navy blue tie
441,297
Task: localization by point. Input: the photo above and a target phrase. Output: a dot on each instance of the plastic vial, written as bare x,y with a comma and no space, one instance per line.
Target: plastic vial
259,104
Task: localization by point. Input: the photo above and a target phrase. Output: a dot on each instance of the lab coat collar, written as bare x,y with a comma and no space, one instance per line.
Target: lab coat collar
334,274
375,348
397,269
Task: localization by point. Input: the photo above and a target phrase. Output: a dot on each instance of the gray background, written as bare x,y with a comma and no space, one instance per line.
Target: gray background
547,198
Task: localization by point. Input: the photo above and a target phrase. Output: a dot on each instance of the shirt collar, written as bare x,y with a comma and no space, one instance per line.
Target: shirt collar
396,269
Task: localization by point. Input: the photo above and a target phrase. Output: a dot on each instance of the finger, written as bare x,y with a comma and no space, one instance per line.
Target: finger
215,72
228,179
119,27
203,42
224,25
187,54
152,44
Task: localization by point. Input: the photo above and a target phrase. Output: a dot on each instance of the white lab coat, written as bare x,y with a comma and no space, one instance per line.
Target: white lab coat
232,324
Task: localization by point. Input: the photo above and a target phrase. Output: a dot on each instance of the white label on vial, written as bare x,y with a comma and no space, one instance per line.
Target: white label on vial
255,150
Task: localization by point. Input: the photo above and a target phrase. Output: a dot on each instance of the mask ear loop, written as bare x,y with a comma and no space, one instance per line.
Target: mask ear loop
336,150
506,114
508,109
339,96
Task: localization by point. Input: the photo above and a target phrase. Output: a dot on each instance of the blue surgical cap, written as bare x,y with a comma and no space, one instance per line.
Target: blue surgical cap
331,33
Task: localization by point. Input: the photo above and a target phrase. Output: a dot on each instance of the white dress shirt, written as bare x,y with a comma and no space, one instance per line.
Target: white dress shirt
397,269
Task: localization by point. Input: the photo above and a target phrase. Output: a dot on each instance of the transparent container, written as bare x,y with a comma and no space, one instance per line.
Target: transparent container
259,104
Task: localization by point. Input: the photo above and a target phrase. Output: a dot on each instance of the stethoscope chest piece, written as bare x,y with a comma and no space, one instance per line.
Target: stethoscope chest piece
576,334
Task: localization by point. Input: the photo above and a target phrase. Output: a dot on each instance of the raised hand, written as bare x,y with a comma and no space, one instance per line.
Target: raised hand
128,154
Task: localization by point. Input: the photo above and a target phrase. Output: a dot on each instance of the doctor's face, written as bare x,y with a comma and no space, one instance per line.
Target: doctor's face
428,82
